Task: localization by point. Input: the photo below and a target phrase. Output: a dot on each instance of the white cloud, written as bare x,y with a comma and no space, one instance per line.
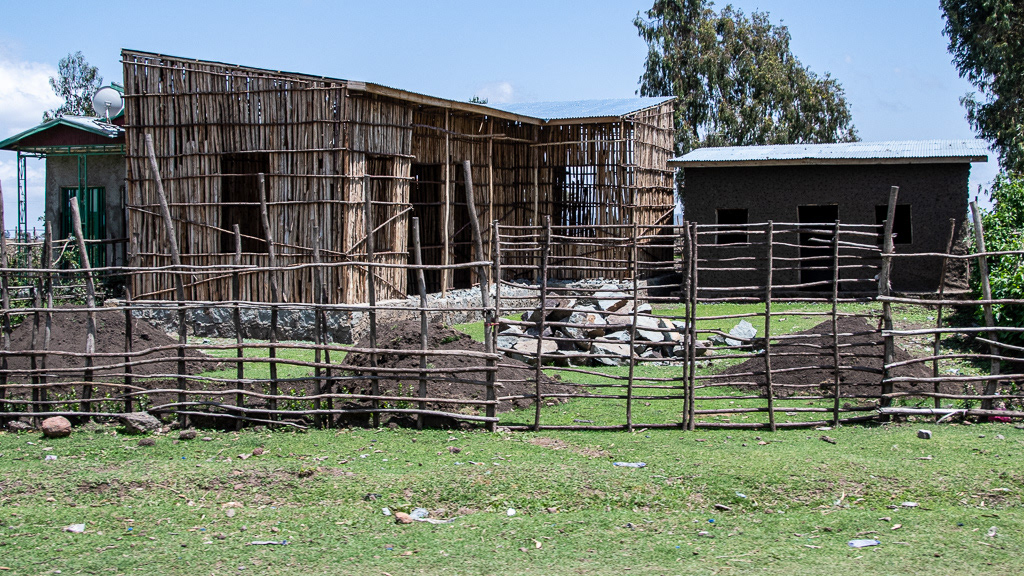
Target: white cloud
497,92
25,94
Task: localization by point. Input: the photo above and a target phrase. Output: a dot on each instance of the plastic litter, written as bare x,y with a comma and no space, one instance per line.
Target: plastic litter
419,513
992,532
910,504
741,495
268,543
863,543
630,464
510,512
50,457
75,528
385,511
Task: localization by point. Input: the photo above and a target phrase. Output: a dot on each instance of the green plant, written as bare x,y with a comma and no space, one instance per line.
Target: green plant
1003,226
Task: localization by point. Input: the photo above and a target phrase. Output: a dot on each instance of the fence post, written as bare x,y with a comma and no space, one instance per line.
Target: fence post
318,335
684,268
321,317
694,253
371,294
883,290
991,386
492,395
90,303
133,250
48,290
632,327
938,314
770,264
236,316
421,285
5,324
485,282
541,317
179,285
835,324
275,294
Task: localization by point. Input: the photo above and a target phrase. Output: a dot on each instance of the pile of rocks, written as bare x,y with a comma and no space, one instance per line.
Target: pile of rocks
594,329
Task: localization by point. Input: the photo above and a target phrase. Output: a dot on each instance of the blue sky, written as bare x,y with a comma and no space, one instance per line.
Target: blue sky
890,56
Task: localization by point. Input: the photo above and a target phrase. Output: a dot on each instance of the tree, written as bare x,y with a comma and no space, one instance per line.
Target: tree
477,100
986,38
1002,226
735,80
76,82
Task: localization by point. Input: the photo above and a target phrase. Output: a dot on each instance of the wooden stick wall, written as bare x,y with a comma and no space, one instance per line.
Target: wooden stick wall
323,145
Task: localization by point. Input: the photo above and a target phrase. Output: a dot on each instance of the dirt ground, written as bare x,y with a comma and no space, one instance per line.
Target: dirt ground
864,352
68,333
517,377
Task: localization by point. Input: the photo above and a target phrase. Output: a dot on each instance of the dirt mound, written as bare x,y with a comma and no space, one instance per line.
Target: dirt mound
517,377
68,332
863,352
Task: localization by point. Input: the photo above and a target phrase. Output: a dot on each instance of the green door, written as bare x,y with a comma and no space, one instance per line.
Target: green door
92,207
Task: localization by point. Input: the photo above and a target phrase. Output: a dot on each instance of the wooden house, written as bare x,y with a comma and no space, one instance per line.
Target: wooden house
325,144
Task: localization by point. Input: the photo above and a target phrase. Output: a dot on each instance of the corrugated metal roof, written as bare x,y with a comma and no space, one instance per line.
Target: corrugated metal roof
90,124
581,108
893,151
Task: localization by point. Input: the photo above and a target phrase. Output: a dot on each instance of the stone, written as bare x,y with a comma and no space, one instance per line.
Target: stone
139,422
510,331
619,352
610,300
18,426
644,308
187,435
56,427
702,349
560,308
924,434
744,330
648,328
402,518
147,442
670,332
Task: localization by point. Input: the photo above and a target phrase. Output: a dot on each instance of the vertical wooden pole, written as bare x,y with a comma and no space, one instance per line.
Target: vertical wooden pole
835,325
446,209
236,317
371,293
318,329
421,285
490,182
884,287
133,250
494,328
48,318
991,386
936,345
36,303
541,317
484,278
634,272
90,303
5,323
770,266
695,268
179,285
685,269
321,319
275,292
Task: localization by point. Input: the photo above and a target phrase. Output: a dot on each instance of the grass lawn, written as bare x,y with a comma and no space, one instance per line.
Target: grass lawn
187,507
193,507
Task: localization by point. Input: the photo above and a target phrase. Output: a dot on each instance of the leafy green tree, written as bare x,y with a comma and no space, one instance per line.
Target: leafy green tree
735,80
76,82
477,100
986,38
1004,231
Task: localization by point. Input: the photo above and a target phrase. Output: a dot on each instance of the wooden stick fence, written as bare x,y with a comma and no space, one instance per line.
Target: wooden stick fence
636,336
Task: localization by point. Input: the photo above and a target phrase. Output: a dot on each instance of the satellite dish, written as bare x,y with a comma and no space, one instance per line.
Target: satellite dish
107,102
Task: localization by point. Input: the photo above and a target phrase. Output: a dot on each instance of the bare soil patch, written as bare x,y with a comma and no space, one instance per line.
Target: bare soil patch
862,352
517,378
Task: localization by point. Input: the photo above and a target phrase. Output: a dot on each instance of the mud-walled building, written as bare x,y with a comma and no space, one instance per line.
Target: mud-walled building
326,144
809,184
